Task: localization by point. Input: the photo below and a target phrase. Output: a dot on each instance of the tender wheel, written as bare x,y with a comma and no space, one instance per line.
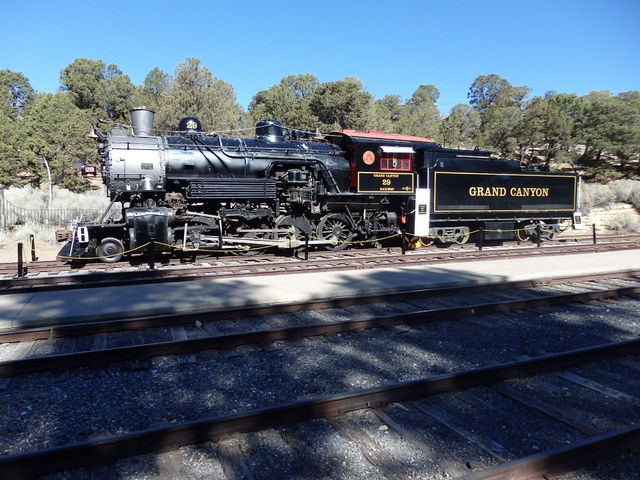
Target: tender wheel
110,250
547,233
462,238
335,228
521,234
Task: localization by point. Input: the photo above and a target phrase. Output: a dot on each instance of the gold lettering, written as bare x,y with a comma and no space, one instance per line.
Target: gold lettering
512,192
529,192
487,192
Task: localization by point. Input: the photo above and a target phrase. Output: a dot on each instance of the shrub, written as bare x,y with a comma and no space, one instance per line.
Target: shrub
595,195
627,191
624,222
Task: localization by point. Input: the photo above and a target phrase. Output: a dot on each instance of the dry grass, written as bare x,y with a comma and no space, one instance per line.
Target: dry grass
594,195
32,199
624,222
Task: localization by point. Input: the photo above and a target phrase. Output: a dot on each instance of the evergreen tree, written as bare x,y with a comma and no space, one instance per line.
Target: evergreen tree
500,106
459,128
420,114
288,102
104,89
547,128
11,139
342,105
55,130
194,91
387,113
609,126
153,92
15,93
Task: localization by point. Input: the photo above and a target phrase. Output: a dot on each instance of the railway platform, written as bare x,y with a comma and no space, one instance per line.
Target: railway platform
111,302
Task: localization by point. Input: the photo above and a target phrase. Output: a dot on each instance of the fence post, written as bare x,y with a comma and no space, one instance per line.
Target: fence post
21,270
32,245
593,232
152,254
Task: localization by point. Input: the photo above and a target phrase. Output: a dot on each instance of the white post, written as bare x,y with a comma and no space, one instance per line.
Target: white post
46,164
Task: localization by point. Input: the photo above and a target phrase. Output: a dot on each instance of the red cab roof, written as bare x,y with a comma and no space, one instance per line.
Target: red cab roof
384,136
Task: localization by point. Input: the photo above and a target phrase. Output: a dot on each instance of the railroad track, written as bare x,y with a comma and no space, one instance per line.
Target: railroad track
55,328
46,278
379,410
390,404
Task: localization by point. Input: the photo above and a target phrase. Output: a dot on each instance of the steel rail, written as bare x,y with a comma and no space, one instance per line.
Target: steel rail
564,459
182,347
122,278
92,326
159,439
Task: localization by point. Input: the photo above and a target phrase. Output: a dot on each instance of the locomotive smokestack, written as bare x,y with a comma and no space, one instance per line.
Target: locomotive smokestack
142,121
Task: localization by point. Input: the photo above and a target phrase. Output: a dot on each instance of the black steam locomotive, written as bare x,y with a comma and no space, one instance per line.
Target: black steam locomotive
285,189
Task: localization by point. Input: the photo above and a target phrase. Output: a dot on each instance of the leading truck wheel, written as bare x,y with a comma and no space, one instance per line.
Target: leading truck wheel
110,250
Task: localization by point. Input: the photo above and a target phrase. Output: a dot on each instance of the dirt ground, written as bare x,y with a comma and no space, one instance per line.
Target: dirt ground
9,253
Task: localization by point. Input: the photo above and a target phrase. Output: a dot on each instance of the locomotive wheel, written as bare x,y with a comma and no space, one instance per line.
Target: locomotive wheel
335,227
203,225
110,250
251,249
302,227
197,226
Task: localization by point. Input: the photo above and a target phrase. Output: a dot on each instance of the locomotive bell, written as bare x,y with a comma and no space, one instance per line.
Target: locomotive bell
190,125
270,130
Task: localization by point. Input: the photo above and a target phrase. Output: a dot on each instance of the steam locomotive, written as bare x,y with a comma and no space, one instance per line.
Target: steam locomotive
287,189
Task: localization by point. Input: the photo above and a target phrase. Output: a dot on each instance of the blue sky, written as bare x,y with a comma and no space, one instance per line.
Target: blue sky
568,46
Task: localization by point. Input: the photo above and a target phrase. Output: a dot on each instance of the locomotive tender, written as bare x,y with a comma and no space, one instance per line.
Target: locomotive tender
285,189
